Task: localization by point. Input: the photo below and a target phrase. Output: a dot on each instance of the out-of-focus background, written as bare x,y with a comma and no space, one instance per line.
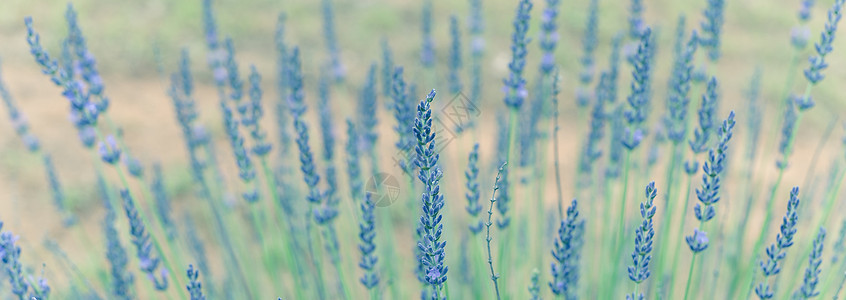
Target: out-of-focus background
137,45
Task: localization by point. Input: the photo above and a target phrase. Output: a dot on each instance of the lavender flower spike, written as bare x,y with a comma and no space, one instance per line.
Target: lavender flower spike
638,100
195,288
824,47
566,252
367,234
472,174
121,278
812,273
10,257
776,252
639,270
143,245
515,84
430,244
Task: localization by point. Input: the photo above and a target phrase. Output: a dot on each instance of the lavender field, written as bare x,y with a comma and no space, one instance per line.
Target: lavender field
339,149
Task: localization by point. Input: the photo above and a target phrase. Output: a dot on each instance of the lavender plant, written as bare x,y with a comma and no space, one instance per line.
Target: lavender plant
639,270
338,69
472,174
589,42
195,288
566,253
455,56
147,261
776,252
430,244
367,234
708,194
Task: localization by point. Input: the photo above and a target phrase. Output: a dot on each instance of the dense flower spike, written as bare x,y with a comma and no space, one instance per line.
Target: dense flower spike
534,287
430,243
84,112
84,60
679,95
325,116
353,162
261,147
598,118
455,60
19,121
753,93
338,69
246,170
639,270
817,63
636,23
195,288
787,131
427,48
10,257
367,234
387,68
515,84
709,194
776,252
615,150
548,39
403,109
472,175
280,107
121,278
712,28
476,27
589,42
367,110
56,190
109,151
702,135
566,253
143,243
298,108
638,100
163,207
812,273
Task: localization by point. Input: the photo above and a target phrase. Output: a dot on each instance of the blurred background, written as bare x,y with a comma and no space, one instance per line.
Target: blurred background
137,46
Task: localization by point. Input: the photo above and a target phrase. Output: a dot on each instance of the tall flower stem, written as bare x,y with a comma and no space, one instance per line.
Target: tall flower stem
142,214
689,276
494,275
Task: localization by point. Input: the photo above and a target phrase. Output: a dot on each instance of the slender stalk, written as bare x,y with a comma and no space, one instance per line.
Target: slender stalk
670,212
677,250
768,217
274,208
840,288
689,276
827,208
622,215
505,246
557,164
488,224
143,216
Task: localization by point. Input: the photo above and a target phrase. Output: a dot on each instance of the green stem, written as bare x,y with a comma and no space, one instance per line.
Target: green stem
143,217
621,216
840,288
677,250
689,276
273,206
668,216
